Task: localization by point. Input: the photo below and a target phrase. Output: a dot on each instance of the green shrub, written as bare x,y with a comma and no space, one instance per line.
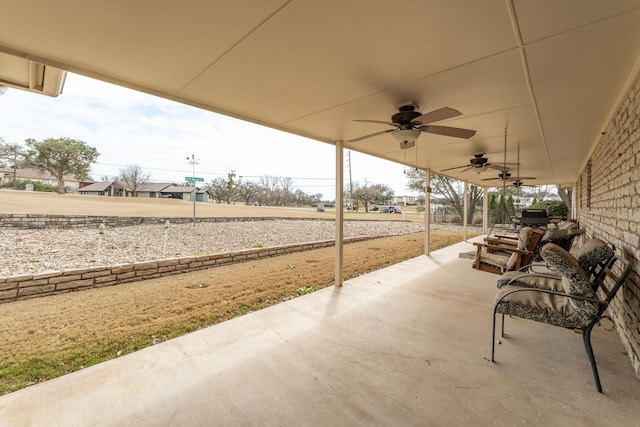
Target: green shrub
37,186
553,207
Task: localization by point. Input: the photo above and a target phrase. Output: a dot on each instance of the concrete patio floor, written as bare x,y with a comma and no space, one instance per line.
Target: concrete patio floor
406,345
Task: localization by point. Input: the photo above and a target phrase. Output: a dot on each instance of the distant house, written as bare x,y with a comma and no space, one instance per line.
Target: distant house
403,200
103,189
149,189
120,189
72,183
185,193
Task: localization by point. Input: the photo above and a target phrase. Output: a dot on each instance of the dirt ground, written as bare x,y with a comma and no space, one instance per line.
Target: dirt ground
48,337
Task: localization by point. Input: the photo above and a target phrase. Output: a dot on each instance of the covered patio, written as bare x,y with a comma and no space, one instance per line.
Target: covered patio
406,345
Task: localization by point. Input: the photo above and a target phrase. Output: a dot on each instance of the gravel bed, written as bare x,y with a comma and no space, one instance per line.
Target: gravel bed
33,251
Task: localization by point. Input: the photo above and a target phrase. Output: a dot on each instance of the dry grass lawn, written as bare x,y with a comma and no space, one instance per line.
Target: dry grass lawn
72,204
47,337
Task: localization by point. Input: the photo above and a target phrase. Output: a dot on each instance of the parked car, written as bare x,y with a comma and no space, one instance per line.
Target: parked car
393,209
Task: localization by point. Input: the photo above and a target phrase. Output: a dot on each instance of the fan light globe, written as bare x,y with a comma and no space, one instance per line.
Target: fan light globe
405,135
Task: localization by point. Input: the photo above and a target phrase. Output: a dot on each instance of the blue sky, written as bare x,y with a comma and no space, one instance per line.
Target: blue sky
129,127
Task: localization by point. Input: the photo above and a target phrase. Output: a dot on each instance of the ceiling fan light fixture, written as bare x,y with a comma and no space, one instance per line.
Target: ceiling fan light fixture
404,136
407,144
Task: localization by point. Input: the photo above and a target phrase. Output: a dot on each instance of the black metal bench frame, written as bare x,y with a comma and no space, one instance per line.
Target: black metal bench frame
600,283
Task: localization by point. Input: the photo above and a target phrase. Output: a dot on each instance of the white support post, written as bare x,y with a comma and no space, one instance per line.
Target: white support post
339,212
485,210
465,208
427,211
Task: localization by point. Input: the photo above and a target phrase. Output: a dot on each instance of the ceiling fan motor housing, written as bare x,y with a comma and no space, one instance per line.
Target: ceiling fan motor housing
504,175
405,115
478,160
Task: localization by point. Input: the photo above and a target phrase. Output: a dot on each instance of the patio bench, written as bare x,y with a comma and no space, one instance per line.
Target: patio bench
574,301
498,257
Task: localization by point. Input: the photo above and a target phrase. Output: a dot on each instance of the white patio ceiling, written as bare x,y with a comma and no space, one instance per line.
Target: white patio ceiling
552,70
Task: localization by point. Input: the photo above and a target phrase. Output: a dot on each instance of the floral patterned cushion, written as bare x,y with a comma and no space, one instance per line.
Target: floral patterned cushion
574,279
592,253
539,306
530,280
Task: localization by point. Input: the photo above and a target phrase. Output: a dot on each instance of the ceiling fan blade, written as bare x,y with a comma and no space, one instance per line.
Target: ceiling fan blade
470,168
375,121
511,178
436,116
457,167
449,131
371,135
501,165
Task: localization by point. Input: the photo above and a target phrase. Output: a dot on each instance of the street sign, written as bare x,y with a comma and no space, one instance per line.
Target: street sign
193,178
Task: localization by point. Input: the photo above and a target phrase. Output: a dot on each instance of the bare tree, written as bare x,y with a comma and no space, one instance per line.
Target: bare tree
270,184
450,190
565,195
540,192
247,191
372,193
14,155
134,178
217,189
231,187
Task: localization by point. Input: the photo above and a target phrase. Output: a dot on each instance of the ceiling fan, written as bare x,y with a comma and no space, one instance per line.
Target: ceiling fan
505,176
518,183
409,123
480,164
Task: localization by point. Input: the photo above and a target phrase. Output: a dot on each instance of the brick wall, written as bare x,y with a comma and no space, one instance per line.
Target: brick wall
608,207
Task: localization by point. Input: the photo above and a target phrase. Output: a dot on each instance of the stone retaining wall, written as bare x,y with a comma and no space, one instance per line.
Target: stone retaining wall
38,221
16,288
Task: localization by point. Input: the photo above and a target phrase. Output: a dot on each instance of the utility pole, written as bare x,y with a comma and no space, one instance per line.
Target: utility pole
193,162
